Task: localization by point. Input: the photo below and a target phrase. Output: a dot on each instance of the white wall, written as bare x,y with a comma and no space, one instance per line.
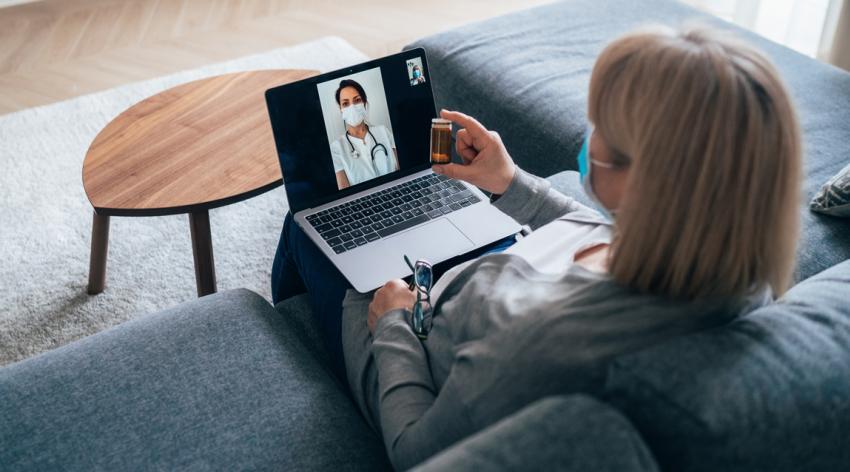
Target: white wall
798,24
840,53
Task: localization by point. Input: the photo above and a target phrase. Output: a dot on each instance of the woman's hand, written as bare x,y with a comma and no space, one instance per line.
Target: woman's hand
394,294
487,164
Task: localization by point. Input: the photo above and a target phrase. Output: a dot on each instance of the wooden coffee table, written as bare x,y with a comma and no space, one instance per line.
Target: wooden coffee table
195,147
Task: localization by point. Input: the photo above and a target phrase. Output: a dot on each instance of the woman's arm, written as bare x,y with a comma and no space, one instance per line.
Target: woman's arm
531,200
487,165
342,180
416,421
391,142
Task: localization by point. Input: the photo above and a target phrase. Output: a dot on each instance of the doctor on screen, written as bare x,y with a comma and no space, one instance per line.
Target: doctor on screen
364,151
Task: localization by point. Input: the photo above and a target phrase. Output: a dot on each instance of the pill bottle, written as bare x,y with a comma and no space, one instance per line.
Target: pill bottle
441,141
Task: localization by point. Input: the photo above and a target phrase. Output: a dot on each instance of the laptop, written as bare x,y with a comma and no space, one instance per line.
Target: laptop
354,150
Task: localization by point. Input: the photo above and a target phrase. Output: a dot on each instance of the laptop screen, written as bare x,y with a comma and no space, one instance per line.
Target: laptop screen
348,130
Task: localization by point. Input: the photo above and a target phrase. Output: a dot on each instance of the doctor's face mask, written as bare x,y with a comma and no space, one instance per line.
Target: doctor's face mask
355,114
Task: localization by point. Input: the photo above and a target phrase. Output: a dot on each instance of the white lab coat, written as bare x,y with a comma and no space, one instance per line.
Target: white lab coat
360,169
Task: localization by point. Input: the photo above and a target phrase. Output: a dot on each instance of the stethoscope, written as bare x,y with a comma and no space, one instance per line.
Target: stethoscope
375,146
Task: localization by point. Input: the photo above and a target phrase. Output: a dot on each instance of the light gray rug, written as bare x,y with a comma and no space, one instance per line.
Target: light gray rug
45,219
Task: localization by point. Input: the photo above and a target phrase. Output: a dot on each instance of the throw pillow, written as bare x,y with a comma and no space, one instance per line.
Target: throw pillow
834,197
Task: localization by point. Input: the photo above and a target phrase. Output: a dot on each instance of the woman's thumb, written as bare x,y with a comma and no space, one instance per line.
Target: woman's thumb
454,171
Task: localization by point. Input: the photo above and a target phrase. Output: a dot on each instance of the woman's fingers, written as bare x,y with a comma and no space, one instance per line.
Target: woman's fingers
476,130
487,163
457,171
468,155
463,144
462,139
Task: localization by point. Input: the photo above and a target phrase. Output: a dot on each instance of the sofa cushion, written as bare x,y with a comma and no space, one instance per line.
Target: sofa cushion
223,382
569,183
526,75
770,391
566,433
299,314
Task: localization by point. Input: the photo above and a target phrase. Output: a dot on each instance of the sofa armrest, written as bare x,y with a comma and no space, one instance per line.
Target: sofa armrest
222,382
565,433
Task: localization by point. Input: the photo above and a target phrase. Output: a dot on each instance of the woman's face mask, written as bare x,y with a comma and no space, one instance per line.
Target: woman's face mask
585,166
355,114
416,73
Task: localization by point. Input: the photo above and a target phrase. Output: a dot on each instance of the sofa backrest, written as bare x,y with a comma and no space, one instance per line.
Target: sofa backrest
526,75
770,391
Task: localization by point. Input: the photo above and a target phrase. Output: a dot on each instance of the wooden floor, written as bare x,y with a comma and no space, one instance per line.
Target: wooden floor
51,50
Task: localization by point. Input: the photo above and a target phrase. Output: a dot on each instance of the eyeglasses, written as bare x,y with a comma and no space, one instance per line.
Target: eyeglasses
603,164
423,278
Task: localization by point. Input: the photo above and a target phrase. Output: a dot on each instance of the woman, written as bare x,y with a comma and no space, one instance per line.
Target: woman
694,151
416,76
363,152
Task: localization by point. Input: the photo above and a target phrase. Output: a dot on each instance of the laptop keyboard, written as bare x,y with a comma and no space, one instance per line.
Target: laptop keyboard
386,212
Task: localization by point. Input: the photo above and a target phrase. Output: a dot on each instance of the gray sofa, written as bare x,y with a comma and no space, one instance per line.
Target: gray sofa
230,382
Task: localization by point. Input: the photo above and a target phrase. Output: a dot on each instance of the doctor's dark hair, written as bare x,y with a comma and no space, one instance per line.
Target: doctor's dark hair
710,208
350,83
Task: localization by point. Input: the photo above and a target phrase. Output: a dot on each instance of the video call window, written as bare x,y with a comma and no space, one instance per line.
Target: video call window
414,71
357,122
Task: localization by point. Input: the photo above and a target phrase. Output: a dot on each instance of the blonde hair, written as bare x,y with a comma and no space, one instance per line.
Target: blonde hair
710,207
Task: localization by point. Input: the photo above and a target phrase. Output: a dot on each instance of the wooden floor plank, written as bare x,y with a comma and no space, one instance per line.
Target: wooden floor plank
52,50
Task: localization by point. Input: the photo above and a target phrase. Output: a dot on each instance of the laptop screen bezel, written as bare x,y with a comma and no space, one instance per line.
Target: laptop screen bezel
276,94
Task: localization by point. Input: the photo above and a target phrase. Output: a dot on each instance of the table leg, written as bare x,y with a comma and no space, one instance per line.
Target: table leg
99,247
199,226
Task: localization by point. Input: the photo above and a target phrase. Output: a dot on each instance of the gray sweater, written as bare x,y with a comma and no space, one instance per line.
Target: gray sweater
504,335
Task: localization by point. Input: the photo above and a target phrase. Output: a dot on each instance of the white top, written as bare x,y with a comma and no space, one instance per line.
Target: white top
551,248
358,165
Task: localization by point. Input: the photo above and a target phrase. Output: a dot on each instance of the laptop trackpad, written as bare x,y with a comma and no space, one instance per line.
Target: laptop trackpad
435,241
